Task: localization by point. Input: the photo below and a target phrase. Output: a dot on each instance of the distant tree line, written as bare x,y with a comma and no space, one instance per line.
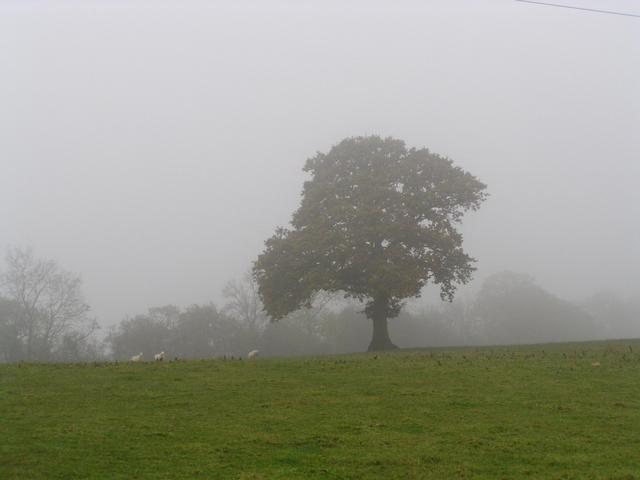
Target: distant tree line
43,317
510,308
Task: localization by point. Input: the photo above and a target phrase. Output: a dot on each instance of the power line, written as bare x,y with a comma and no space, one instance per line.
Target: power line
581,8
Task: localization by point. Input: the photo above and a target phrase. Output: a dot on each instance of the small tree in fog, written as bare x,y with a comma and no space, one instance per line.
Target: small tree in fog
243,302
376,222
48,305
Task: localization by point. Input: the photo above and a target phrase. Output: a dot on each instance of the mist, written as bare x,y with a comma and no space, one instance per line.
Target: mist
152,147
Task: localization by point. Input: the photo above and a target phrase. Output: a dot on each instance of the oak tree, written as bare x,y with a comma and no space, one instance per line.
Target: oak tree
377,222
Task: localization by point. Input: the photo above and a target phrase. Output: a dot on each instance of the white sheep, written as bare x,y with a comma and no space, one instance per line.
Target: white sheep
136,358
252,354
158,357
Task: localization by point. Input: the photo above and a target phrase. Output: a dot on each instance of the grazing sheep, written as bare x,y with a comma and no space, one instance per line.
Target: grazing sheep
252,354
136,358
595,364
158,357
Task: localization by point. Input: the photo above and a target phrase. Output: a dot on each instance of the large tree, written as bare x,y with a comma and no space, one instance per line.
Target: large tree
376,222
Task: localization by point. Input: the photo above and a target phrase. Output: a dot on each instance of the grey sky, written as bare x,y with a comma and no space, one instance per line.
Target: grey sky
152,146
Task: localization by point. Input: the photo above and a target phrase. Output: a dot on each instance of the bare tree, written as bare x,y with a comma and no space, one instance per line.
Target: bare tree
49,302
243,302
244,305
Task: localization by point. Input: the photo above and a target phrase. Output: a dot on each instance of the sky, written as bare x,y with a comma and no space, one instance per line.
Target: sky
152,146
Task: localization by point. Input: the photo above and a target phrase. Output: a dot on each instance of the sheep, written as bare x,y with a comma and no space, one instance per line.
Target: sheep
252,354
136,358
158,357
595,364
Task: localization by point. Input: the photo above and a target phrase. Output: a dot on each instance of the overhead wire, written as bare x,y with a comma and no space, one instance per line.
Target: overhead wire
572,7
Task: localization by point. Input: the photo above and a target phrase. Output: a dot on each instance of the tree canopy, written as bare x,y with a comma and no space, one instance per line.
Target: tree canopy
376,222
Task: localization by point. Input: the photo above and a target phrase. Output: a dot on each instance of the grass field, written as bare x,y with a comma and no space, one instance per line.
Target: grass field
490,413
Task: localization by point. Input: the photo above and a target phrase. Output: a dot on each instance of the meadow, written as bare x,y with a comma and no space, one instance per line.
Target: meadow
542,411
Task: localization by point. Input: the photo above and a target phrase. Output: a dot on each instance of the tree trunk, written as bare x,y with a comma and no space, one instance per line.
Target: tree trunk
380,339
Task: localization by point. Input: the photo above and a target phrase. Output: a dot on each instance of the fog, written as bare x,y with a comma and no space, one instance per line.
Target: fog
152,147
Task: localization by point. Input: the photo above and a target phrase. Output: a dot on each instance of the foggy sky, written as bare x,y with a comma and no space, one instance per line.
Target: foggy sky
152,146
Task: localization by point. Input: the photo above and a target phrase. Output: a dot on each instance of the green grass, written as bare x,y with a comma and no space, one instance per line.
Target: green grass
490,413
